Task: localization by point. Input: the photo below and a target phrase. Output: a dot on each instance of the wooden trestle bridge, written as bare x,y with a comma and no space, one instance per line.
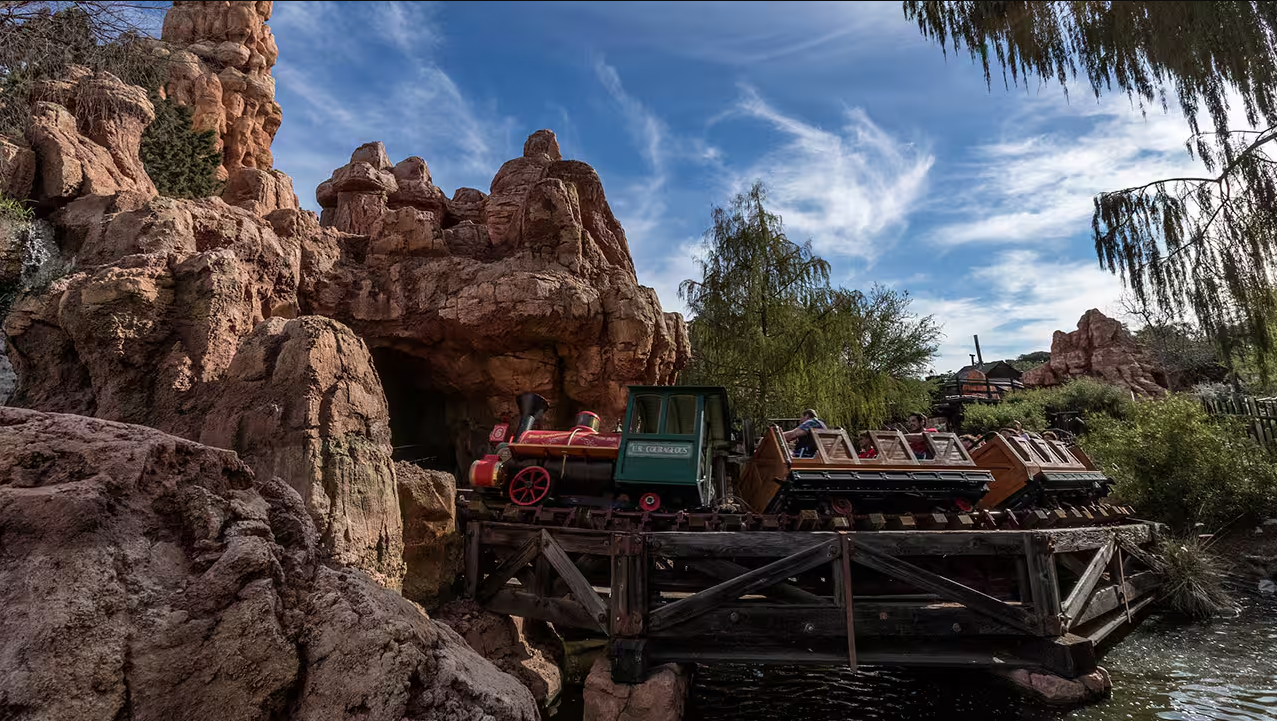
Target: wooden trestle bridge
1043,597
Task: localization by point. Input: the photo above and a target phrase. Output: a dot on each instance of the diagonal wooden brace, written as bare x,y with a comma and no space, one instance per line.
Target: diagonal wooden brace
510,566
576,582
867,555
1081,593
688,608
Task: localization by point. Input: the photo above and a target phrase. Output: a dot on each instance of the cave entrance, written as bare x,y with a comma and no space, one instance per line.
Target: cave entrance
419,412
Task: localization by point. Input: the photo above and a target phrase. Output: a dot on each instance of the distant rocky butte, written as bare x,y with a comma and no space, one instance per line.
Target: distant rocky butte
1100,348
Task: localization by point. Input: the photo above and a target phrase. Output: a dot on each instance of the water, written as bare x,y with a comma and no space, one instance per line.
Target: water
1163,671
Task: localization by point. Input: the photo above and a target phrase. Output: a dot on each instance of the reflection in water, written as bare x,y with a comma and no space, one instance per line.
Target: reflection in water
1225,671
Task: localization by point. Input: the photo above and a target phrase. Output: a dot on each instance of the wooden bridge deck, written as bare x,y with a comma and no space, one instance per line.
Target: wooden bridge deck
977,598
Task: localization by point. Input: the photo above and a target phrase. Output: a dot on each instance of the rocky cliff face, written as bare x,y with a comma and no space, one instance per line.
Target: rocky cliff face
480,297
148,577
1100,348
220,55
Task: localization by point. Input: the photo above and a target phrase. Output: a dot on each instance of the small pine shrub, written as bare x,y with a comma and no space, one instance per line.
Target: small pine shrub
181,162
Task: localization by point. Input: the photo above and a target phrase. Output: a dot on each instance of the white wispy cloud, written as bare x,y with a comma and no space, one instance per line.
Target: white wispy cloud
387,86
1015,302
1038,181
844,189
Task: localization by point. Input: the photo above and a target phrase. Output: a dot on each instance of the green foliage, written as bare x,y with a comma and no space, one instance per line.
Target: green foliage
15,210
1029,361
1199,244
1032,407
1195,580
1179,465
985,417
769,327
181,162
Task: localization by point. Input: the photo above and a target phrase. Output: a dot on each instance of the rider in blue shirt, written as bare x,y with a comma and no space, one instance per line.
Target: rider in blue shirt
806,445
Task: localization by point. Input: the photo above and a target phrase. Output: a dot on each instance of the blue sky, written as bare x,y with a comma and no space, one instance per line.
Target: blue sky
900,166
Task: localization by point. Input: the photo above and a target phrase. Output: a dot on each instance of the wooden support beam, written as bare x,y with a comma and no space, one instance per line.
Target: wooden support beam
571,575
1085,585
1044,583
688,608
571,540
473,548
508,568
1104,600
867,555
1098,635
750,622
844,568
724,570
628,599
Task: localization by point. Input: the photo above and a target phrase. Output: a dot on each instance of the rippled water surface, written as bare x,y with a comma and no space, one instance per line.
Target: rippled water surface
1226,670
1223,671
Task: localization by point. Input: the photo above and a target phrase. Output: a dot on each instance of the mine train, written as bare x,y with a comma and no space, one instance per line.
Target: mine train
677,450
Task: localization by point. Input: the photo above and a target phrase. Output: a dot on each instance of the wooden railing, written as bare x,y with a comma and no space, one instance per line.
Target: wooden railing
1259,414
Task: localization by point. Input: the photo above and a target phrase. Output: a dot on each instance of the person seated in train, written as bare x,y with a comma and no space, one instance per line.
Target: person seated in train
917,426
969,442
804,441
865,446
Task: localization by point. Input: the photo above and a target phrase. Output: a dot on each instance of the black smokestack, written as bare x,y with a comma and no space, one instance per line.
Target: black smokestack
531,408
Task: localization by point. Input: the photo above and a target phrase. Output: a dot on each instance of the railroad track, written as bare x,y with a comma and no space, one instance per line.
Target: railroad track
471,507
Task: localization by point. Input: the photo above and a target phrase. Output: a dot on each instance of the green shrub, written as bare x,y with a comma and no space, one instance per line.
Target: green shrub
1177,464
181,162
16,211
1195,577
982,418
1031,407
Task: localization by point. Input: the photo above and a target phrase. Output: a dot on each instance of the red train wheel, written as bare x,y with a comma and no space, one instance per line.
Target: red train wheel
529,486
650,501
841,506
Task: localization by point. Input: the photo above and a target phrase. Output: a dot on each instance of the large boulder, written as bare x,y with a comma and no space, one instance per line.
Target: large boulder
143,576
662,697
301,401
1101,347
431,544
530,288
526,649
178,318
219,56
93,150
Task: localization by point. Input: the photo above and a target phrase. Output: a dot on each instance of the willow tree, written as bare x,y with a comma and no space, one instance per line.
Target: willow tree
1201,244
769,327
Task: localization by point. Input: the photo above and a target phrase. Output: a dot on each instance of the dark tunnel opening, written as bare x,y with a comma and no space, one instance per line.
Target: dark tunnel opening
420,427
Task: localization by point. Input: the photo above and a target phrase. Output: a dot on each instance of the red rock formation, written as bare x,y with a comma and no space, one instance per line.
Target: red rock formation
148,577
87,144
220,55
17,170
176,318
529,288
1101,348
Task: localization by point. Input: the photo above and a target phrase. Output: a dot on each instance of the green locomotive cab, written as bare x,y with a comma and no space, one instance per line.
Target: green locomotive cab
674,445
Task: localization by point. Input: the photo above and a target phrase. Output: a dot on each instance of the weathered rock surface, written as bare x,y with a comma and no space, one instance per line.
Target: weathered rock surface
431,544
17,170
529,288
301,401
260,191
1060,691
164,324
220,55
1101,348
662,697
523,648
93,150
147,577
